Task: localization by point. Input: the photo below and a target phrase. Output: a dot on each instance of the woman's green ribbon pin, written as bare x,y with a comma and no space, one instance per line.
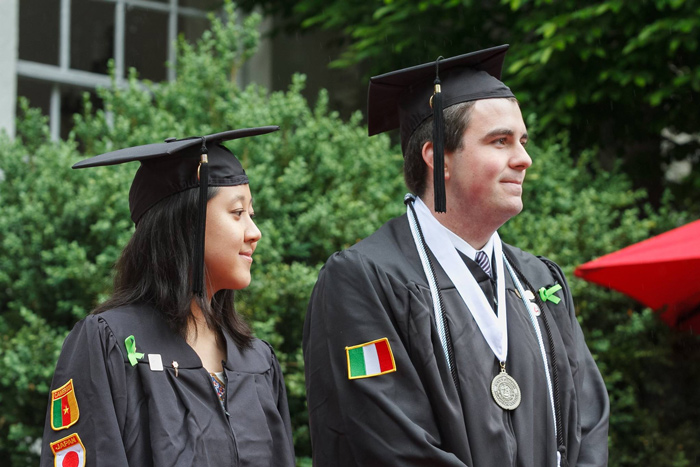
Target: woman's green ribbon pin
548,294
131,352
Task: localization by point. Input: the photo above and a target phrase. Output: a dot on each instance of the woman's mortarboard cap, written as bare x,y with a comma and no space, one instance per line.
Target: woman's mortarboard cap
171,167
177,165
403,99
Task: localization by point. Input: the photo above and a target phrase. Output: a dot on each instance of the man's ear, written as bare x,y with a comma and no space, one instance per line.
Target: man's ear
427,154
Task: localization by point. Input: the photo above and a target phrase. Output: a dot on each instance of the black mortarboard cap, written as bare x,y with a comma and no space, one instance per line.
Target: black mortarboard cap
177,165
406,98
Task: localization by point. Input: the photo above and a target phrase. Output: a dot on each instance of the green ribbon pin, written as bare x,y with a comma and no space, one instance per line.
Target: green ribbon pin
548,294
131,352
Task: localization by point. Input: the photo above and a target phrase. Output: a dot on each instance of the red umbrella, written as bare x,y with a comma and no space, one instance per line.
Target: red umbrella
662,272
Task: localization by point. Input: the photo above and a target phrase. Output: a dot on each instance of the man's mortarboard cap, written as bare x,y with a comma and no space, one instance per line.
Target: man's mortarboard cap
178,165
406,98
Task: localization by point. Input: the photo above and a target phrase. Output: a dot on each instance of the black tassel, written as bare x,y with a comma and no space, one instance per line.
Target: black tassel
203,175
440,201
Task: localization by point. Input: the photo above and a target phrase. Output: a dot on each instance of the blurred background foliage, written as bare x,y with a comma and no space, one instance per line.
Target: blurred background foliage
618,74
320,184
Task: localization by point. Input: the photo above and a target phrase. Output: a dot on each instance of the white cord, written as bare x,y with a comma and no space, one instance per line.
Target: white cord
437,309
540,341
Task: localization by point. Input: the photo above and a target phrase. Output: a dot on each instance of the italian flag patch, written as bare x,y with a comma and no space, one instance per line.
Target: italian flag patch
68,452
370,359
64,407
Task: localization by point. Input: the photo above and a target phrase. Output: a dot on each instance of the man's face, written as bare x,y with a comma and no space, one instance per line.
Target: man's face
486,174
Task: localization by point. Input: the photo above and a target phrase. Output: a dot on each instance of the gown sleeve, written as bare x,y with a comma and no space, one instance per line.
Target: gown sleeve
380,420
92,363
593,400
280,392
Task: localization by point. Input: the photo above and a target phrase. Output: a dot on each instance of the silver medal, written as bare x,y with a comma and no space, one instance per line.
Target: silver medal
505,390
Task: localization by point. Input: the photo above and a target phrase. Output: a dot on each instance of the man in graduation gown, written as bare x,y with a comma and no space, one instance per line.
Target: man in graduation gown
431,342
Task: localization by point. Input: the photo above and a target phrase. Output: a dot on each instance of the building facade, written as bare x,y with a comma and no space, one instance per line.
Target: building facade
52,51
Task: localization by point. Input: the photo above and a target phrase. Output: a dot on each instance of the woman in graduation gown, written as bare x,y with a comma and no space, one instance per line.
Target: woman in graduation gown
166,373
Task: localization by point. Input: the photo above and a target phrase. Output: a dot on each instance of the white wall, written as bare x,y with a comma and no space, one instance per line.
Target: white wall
9,19
258,69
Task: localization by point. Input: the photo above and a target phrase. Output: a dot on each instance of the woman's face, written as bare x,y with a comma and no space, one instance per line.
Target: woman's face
230,239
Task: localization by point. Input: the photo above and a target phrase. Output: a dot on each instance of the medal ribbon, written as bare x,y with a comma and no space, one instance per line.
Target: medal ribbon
493,328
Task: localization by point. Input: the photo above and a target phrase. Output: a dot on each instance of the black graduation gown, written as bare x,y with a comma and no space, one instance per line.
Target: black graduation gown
415,416
130,415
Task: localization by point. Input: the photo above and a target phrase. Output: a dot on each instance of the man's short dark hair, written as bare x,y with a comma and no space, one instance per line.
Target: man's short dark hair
415,170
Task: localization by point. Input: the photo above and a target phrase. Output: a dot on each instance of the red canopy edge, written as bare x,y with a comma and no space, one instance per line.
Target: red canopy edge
662,272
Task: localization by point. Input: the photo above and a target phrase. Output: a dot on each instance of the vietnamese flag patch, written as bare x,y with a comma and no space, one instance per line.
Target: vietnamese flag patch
370,359
68,452
64,407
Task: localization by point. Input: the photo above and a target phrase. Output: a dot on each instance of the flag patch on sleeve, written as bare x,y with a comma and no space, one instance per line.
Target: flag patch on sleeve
68,451
370,359
64,407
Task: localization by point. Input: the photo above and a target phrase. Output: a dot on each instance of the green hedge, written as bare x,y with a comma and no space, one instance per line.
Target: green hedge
320,184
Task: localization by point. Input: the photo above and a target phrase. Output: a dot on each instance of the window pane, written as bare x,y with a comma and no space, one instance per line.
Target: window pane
39,31
192,27
146,47
72,103
38,93
92,41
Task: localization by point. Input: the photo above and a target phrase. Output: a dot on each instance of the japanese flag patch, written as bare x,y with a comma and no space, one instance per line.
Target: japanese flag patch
370,359
68,452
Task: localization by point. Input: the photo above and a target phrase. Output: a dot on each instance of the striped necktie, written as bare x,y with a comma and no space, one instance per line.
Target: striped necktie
482,260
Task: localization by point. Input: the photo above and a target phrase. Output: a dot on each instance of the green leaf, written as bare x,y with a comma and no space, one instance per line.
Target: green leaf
547,30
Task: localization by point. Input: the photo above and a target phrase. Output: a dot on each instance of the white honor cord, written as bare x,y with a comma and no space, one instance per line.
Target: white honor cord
437,309
540,341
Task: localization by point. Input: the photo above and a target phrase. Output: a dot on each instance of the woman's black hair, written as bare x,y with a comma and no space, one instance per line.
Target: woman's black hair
156,268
